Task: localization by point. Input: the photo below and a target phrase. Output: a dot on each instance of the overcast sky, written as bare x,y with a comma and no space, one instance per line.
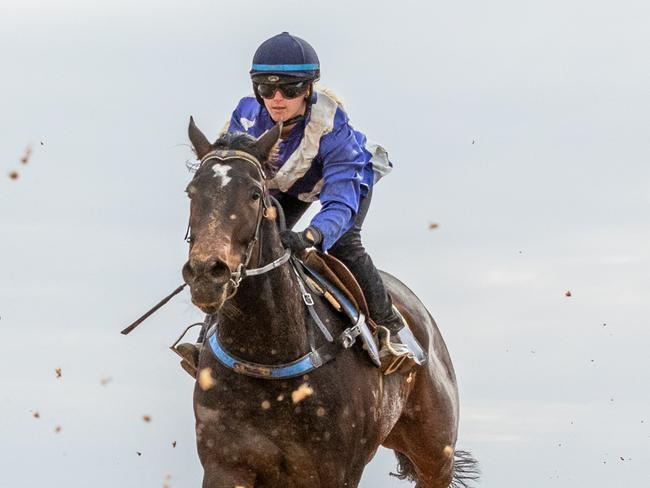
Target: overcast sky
521,128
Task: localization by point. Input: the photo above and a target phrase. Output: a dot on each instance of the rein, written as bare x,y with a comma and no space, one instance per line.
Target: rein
318,355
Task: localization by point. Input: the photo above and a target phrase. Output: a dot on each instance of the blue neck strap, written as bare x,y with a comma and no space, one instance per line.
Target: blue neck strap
300,366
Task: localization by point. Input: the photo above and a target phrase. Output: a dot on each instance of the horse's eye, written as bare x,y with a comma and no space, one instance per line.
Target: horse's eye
256,195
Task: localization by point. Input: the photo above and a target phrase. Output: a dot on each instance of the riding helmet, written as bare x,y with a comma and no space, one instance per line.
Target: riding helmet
285,56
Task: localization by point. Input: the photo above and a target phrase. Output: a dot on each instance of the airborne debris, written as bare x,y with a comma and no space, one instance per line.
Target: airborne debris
266,405
433,226
58,372
302,392
206,381
567,293
138,453
57,429
27,155
105,381
174,444
36,415
146,418
271,213
13,175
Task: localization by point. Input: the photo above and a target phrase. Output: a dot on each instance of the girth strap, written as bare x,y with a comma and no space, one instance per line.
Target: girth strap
309,301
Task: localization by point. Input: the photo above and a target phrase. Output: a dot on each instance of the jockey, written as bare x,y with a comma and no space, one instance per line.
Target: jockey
321,157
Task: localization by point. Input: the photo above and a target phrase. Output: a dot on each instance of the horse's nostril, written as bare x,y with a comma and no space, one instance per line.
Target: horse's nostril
220,271
188,272
211,269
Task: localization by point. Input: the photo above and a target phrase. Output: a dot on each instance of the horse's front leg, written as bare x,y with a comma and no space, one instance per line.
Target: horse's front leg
218,476
224,462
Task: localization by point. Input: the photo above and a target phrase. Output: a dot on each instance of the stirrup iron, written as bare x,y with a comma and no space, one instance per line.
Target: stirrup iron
407,339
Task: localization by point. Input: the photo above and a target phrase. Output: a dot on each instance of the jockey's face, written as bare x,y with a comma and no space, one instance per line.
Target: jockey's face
281,108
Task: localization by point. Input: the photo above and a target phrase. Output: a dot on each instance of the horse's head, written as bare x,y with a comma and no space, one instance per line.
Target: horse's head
228,202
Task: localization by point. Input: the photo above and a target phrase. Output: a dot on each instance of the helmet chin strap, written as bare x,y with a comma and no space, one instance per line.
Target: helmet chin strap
293,120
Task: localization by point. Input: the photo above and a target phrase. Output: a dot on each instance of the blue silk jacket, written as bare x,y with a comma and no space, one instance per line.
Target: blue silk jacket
322,158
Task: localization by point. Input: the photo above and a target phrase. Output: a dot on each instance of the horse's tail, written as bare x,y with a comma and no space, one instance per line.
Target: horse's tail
405,468
466,469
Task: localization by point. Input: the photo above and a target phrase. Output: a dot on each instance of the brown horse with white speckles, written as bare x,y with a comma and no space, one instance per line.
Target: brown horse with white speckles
252,432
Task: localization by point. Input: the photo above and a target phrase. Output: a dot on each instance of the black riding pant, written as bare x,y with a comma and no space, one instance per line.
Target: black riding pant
351,252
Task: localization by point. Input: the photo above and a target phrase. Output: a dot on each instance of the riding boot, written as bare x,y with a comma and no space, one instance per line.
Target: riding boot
395,336
190,352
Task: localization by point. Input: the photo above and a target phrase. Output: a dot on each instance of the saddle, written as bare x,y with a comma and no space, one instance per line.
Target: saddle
337,280
330,278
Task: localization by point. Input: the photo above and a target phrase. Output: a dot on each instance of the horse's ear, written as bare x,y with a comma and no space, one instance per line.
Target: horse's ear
267,142
199,141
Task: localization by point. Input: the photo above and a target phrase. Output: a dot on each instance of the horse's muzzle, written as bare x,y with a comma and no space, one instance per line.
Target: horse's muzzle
212,269
208,280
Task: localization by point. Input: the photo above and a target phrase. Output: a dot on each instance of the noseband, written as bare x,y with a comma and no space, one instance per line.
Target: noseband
266,203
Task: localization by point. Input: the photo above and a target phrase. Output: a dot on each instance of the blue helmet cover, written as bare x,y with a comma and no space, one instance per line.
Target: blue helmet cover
285,55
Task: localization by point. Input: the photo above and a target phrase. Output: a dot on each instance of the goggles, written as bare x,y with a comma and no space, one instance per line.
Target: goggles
288,90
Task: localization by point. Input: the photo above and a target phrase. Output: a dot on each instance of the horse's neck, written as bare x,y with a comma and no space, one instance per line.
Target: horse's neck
265,321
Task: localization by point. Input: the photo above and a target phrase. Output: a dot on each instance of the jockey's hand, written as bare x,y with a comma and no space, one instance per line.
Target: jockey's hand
298,242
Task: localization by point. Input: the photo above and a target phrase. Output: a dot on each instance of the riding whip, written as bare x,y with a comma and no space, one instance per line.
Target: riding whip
155,307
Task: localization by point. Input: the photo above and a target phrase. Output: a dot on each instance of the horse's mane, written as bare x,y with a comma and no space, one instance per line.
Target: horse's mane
239,141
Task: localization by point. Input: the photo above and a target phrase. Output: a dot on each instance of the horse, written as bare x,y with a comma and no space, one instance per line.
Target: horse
319,429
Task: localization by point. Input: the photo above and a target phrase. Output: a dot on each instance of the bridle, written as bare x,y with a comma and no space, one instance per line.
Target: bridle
266,204
317,356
